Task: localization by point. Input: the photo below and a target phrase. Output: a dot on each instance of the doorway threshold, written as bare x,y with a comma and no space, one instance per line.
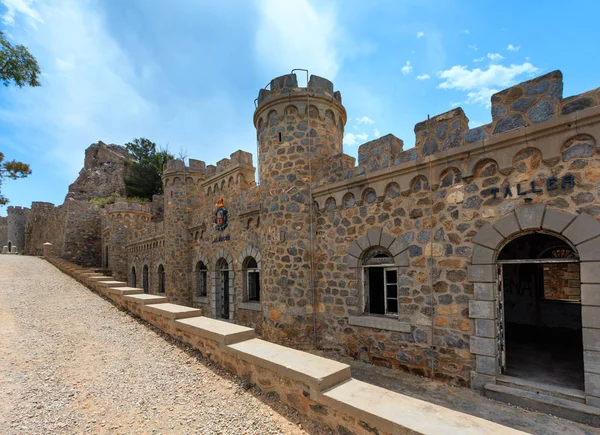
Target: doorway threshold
562,402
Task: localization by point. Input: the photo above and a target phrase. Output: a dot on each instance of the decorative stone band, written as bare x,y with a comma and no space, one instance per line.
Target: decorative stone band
583,232
376,237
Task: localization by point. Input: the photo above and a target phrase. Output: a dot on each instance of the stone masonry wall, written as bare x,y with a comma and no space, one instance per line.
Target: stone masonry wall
3,231
17,222
46,224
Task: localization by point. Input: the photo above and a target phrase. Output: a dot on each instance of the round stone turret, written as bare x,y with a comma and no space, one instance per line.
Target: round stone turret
298,130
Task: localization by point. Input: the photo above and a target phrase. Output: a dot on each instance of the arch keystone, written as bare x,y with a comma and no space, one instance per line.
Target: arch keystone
583,228
374,235
488,236
530,216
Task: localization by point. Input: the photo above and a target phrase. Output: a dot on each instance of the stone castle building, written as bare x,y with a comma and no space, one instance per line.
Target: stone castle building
473,257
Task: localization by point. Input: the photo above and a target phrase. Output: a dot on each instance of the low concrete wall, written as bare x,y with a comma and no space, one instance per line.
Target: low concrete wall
317,387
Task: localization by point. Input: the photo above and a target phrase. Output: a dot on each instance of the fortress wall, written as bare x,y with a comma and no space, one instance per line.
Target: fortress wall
46,224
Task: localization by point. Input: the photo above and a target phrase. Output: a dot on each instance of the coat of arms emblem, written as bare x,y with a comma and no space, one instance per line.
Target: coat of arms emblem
221,215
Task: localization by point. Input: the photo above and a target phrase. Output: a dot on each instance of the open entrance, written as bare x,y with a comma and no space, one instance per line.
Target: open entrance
9,247
223,289
145,281
540,329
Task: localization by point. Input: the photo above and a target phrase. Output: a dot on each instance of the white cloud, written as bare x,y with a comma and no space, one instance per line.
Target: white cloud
495,57
365,120
284,44
473,47
423,77
466,32
25,7
353,139
407,68
376,133
481,84
513,47
420,34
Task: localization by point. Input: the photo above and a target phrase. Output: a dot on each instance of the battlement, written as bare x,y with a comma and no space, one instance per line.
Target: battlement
17,210
40,205
288,84
235,171
520,114
122,205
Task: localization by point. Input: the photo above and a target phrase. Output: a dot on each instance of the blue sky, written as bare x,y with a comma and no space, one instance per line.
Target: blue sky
185,73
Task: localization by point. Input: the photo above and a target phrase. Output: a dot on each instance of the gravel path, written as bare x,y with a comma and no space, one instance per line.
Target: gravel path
71,362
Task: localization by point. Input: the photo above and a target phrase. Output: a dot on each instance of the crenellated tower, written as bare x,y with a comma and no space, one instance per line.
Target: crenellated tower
123,219
182,192
297,129
17,222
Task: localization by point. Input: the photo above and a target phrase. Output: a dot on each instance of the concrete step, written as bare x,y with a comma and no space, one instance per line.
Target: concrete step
537,387
536,401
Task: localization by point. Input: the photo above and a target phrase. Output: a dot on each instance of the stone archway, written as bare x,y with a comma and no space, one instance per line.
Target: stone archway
582,232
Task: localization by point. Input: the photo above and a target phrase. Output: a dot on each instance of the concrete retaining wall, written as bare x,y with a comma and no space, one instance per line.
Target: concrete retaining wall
317,387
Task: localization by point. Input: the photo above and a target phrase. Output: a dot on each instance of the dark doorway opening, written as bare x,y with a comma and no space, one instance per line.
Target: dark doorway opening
540,311
9,247
145,282
223,295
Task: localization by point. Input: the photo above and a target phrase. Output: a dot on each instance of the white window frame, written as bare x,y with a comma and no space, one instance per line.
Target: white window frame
367,289
249,272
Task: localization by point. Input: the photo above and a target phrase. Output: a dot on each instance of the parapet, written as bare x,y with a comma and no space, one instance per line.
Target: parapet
122,206
40,205
288,84
17,210
235,171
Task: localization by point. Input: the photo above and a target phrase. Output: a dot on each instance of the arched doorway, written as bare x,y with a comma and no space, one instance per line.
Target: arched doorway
9,247
222,289
133,277
161,279
145,282
539,310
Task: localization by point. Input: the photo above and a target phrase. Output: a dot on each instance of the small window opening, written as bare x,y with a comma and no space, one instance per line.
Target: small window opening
201,279
252,280
280,137
380,283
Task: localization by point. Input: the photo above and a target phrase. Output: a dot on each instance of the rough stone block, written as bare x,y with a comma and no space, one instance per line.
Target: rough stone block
591,361
530,216
590,294
591,339
488,236
483,346
485,291
590,272
556,220
481,273
590,250
581,229
486,365
482,310
592,401
508,225
590,316
485,328
482,255
592,384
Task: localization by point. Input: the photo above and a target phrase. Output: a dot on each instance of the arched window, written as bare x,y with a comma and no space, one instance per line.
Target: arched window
145,281
201,279
252,280
161,279
380,282
133,277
